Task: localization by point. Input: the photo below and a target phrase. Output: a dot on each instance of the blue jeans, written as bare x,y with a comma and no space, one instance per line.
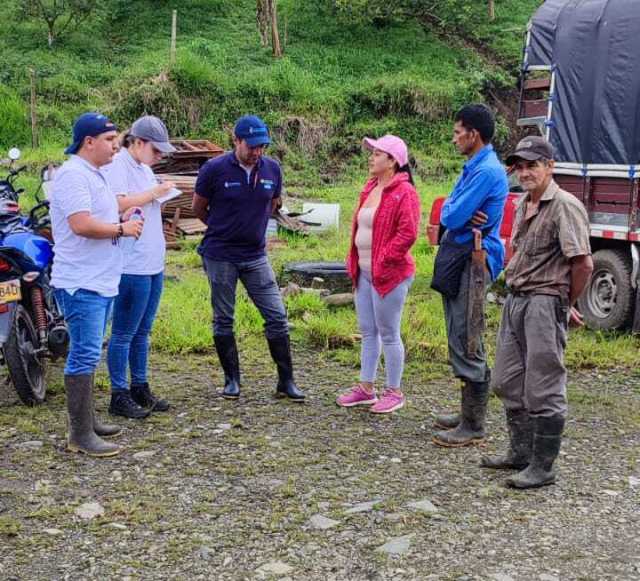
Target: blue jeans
258,278
134,311
86,314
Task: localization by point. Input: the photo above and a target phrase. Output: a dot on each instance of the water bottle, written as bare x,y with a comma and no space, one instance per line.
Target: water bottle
129,241
137,214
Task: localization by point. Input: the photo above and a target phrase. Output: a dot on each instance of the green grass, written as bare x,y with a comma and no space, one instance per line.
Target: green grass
504,37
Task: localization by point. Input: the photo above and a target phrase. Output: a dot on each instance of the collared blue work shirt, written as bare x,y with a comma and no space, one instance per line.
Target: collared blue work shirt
483,186
239,206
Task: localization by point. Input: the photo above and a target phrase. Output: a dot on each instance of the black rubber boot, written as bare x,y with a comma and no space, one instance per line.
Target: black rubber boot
470,431
82,437
100,428
122,404
228,355
547,438
447,421
520,443
281,354
142,395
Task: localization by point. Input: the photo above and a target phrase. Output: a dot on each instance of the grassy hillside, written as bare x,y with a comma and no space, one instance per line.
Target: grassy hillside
338,81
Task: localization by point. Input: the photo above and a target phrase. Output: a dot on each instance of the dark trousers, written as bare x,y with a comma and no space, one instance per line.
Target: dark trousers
471,368
529,373
260,282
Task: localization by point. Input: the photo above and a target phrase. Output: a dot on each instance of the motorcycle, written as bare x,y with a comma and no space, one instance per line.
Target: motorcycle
32,329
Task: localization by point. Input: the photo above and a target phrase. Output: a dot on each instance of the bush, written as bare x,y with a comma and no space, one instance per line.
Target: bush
14,124
155,96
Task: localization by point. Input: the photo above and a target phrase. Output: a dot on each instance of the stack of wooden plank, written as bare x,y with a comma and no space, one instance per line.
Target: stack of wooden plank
186,184
190,154
181,168
177,213
170,236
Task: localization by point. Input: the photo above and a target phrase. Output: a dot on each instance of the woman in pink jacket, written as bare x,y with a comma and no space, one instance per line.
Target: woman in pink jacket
385,227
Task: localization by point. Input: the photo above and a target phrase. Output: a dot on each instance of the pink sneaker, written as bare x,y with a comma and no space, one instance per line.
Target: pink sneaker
357,396
390,401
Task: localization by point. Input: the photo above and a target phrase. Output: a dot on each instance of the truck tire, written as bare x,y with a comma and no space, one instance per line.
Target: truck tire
607,302
334,274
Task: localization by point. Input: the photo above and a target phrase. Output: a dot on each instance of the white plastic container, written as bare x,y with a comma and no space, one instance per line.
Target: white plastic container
327,215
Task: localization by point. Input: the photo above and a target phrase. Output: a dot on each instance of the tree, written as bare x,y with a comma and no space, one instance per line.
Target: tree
492,10
263,20
60,16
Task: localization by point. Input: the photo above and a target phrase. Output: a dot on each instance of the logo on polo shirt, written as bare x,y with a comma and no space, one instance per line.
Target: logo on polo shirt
267,184
232,184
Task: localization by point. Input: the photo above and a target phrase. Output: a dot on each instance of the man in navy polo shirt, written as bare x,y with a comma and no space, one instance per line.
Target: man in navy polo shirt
235,194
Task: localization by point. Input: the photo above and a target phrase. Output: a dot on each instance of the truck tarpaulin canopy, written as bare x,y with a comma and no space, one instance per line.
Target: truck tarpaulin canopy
593,48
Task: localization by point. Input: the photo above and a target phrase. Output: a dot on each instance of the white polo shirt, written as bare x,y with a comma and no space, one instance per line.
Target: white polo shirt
128,177
79,262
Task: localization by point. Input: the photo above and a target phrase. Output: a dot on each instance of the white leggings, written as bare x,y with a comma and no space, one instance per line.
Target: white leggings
379,321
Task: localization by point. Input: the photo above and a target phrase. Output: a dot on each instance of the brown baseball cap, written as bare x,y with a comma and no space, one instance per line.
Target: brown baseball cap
531,149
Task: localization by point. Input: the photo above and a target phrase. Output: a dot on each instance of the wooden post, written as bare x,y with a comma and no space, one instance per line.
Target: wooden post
34,117
174,33
275,35
492,10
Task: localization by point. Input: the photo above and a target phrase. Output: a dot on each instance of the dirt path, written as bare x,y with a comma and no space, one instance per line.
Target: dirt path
220,490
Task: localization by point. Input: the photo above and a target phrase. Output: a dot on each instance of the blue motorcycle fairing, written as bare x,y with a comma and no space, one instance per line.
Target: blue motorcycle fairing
36,248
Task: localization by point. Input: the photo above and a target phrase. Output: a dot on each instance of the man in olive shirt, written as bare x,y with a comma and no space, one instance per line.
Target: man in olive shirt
549,270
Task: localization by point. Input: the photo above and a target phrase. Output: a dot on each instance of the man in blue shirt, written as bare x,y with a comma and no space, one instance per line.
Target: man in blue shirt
235,194
477,201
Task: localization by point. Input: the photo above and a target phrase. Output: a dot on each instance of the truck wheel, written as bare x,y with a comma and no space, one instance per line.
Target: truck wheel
607,302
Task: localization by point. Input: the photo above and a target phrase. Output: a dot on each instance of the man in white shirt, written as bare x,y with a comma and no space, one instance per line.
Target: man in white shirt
86,269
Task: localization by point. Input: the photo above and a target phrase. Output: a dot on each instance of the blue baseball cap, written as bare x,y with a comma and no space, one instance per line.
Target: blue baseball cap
253,130
89,125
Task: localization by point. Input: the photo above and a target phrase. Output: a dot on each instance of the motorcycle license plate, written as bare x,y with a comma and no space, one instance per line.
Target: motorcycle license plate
10,291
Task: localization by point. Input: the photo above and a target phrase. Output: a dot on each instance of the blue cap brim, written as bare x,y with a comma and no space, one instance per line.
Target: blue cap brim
258,140
73,148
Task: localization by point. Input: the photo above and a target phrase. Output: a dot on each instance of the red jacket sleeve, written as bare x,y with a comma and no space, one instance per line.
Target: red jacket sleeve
407,228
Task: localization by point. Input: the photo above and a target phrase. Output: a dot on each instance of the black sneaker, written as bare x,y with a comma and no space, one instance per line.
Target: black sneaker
141,394
122,404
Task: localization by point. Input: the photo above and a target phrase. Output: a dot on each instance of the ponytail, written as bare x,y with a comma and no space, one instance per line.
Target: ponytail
126,139
407,169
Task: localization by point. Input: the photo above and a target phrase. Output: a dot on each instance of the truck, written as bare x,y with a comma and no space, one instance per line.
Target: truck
580,88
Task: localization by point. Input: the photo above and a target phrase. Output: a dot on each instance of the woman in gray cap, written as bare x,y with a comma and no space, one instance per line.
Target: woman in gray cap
132,180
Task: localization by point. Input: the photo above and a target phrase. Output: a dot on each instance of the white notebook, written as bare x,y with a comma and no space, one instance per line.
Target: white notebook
174,193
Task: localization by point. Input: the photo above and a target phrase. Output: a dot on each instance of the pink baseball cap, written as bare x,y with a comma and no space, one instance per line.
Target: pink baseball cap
391,145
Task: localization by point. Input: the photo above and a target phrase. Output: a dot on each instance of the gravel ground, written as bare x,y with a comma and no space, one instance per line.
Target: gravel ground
263,489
